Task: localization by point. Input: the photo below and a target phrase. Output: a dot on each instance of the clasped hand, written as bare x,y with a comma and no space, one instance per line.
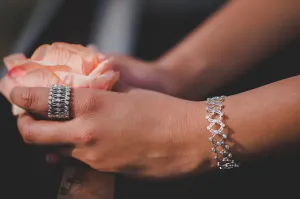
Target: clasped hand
140,133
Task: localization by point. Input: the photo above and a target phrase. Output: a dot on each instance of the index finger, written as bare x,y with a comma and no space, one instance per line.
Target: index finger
35,100
31,99
43,132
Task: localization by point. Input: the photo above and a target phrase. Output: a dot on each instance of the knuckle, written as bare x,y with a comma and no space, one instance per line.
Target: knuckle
96,161
28,98
95,101
90,158
90,101
85,137
107,167
26,133
85,101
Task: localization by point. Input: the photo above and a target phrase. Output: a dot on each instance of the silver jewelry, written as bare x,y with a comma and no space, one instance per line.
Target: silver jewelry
222,151
59,102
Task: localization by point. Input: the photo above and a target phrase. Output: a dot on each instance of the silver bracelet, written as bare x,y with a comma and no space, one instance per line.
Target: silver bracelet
222,151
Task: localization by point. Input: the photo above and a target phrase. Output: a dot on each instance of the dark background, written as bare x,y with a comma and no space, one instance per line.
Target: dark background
163,23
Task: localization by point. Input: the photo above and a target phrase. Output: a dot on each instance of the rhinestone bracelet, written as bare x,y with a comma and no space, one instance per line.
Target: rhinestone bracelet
222,151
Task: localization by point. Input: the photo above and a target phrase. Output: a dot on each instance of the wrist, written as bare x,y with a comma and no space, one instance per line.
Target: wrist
227,152
196,128
186,79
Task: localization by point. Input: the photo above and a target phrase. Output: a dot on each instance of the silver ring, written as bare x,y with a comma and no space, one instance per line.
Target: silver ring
59,102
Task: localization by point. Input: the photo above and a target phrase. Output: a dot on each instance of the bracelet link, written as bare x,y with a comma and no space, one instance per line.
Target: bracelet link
222,151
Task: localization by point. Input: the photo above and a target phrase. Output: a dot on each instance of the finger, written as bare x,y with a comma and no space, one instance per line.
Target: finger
36,100
42,132
69,152
134,73
66,151
77,153
32,99
127,65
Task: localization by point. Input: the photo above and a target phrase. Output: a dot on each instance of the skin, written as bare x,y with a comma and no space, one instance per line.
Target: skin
230,42
161,136
148,134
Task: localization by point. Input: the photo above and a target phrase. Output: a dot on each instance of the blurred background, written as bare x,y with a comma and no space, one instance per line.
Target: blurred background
13,16
144,29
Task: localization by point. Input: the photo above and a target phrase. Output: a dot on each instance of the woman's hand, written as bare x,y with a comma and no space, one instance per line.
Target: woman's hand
140,133
158,76
227,45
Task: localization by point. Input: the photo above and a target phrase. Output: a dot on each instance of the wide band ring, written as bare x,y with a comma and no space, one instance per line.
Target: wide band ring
59,102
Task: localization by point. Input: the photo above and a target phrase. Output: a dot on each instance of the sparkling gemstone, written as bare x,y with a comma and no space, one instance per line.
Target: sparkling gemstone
210,139
58,100
58,95
225,159
213,149
224,136
230,155
67,98
226,146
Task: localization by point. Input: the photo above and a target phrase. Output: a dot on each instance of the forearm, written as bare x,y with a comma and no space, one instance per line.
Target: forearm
262,121
232,40
267,118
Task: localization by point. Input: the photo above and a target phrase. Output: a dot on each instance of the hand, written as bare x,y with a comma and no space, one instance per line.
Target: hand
156,75
140,133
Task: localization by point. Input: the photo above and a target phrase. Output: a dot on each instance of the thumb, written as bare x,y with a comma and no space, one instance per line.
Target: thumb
134,73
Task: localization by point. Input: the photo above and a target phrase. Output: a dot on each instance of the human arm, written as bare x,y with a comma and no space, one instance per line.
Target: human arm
148,134
231,41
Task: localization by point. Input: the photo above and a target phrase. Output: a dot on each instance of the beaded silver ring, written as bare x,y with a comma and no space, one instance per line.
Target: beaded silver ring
59,102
